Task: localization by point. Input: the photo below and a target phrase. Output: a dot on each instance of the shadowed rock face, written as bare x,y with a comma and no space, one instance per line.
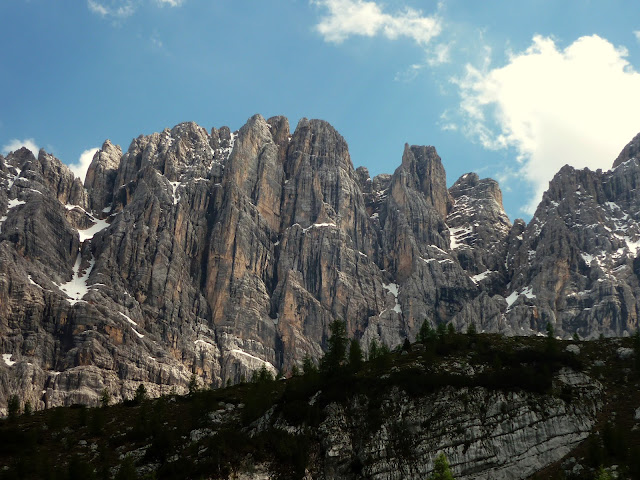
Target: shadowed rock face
214,253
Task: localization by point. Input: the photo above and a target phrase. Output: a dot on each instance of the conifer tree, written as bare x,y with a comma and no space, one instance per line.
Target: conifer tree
105,398
426,333
355,355
141,394
636,348
13,406
441,470
441,330
308,367
374,349
193,384
337,351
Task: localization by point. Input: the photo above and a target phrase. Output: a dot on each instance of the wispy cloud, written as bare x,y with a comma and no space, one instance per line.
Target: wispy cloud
346,18
637,34
554,106
16,144
79,168
121,9
171,3
440,54
113,9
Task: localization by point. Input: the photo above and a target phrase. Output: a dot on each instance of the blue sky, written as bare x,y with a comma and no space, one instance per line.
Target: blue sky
511,90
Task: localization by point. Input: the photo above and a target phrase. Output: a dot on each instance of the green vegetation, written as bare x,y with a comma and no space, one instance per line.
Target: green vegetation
336,353
105,398
115,441
13,406
441,470
141,394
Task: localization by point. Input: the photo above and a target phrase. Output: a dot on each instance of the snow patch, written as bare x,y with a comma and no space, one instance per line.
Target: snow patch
318,225
527,292
88,233
204,343
137,333
12,204
7,359
128,319
481,276
587,258
176,198
15,203
76,288
458,234
393,288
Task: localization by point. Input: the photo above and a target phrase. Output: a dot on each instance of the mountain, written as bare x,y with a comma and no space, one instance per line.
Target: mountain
215,253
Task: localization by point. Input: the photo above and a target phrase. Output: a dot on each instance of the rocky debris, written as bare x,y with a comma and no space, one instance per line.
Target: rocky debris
625,353
216,253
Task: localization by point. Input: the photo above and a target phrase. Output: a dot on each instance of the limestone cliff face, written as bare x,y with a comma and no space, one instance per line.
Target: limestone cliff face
484,434
211,253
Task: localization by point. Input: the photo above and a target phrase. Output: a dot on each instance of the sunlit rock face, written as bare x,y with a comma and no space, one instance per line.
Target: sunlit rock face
212,253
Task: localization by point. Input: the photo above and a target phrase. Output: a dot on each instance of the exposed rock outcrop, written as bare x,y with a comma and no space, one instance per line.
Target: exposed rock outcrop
209,254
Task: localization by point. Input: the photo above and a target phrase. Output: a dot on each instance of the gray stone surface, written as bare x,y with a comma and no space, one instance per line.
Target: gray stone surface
214,253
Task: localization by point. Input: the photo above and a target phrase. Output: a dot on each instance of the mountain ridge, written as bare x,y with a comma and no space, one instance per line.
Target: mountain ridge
214,253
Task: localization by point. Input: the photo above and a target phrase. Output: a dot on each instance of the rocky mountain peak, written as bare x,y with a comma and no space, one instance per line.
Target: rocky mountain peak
101,176
479,228
427,175
631,150
215,253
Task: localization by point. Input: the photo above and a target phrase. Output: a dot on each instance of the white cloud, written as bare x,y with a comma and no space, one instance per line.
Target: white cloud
409,74
440,54
115,8
79,169
171,3
575,106
637,34
347,18
16,144
120,9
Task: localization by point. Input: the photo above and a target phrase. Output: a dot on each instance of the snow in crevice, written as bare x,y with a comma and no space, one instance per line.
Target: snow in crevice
527,292
77,287
138,334
89,233
128,319
176,197
458,234
226,152
12,204
481,276
587,258
393,288
98,225
318,225
7,359
205,343
15,202
13,178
